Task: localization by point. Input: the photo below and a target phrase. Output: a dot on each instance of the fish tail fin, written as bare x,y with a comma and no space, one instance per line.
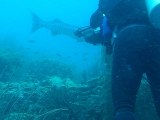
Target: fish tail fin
37,22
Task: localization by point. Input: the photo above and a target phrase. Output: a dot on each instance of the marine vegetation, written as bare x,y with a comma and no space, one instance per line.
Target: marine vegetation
10,63
42,69
61,99
46,90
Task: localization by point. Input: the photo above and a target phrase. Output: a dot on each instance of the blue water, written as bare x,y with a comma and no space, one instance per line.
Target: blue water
16,23
45,77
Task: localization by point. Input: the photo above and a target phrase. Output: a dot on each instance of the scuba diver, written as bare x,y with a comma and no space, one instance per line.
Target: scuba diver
136,50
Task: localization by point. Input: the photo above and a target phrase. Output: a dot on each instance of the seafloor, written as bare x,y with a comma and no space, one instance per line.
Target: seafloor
46,90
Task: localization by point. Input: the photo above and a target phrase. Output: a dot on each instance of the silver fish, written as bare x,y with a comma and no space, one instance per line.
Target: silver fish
56,26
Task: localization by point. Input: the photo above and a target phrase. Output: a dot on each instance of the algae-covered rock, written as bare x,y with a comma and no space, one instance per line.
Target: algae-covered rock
59,82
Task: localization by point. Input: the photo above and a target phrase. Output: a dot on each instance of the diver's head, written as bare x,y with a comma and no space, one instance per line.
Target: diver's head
96,19
108,5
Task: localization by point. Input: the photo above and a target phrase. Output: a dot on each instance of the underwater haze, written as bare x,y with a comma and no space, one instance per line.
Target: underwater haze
16,24
45,75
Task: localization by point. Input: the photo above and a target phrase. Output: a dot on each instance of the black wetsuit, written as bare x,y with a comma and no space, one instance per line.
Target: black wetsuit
136,51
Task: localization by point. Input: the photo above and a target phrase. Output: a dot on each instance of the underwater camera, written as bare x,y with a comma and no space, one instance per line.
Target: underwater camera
86,31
